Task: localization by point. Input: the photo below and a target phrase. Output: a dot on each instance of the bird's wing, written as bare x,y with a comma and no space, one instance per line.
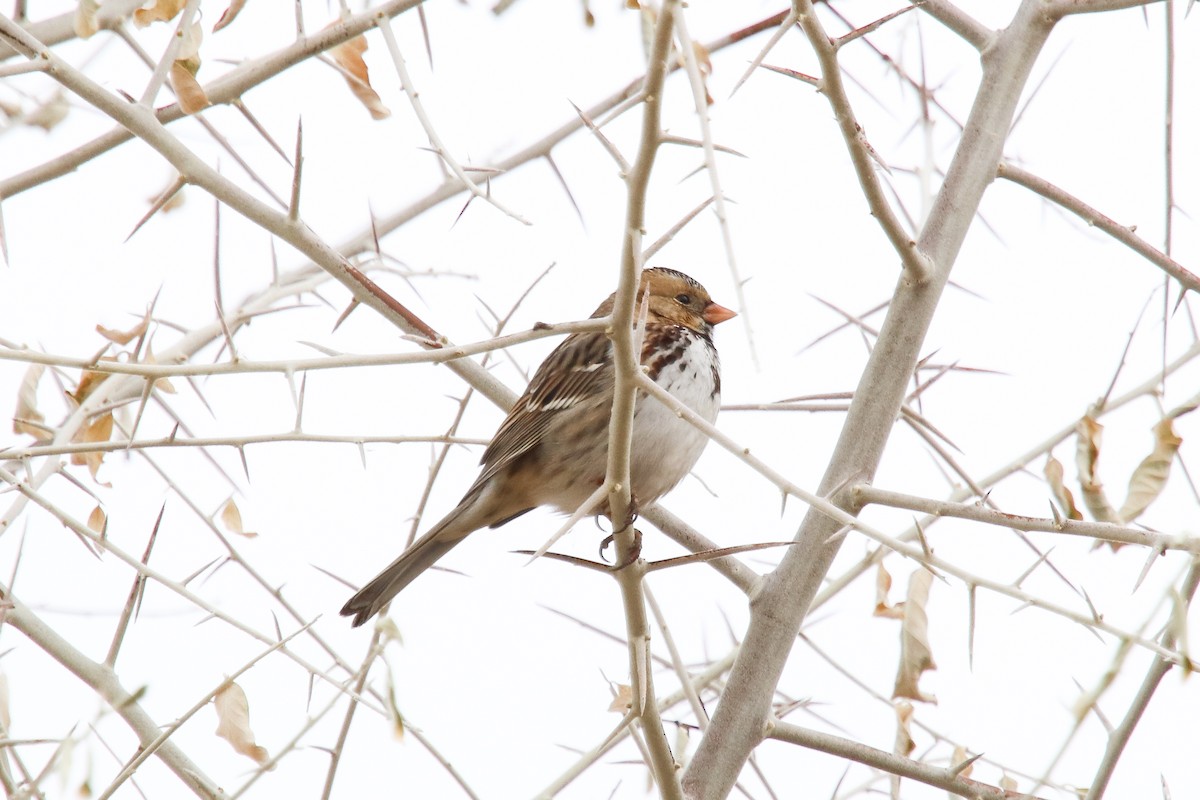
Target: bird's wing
579,369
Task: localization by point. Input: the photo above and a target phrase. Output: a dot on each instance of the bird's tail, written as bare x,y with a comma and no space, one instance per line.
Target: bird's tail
401,572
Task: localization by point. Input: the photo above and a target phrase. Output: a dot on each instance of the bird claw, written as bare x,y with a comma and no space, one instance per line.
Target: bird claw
635,552
631,516
604,543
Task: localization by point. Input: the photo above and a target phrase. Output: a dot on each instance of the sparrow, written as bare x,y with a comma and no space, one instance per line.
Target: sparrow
552,448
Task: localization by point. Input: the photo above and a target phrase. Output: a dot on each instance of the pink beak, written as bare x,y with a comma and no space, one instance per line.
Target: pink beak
715,314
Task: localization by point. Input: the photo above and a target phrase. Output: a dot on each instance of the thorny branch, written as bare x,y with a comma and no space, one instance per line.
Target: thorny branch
1006,55
626,362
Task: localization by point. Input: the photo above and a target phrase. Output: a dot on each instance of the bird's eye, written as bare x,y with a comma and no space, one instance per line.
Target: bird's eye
684,299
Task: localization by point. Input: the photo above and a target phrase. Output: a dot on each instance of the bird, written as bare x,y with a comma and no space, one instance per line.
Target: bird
552,448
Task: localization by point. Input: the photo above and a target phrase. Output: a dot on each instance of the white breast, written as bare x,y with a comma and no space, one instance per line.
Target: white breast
665,446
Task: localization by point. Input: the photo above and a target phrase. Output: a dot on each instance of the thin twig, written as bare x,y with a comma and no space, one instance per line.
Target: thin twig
890,763
1120,735
700,102
1091,216
1101,531
915,261
435,141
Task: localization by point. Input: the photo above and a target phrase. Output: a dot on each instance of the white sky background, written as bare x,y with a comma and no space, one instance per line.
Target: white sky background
505,688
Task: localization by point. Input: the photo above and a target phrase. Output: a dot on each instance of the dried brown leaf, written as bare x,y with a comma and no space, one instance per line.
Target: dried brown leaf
162,384
623,699
158,11
85,23
703,59
26,414
348,56
125,337
1088,434
98,520
1054,476
883,585
904,742
114,335
1087,456
916,656
703,66
230,14
88,381
182,74
98,430
394,709
1148,480
188,91
231,517
233,722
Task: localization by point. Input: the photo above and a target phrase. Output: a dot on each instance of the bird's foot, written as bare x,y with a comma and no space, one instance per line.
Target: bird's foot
634,554
631,517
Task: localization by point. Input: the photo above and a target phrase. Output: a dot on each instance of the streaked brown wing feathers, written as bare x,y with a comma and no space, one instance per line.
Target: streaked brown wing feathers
576,370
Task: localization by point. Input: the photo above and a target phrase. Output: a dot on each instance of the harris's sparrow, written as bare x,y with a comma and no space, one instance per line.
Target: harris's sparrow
552,449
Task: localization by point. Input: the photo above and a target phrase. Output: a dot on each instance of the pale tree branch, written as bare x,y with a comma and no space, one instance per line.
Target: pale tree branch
179,588
104,682
144,124
61,28
159,70
705,678
435,141
751,704
776,612
862,155
243,366
1063,8
941,777
1123,234
739,574
237,442
228,88
842,521
118,389
1147,387
1120,736
966,26
231,87
149,749
1101,531
626,352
